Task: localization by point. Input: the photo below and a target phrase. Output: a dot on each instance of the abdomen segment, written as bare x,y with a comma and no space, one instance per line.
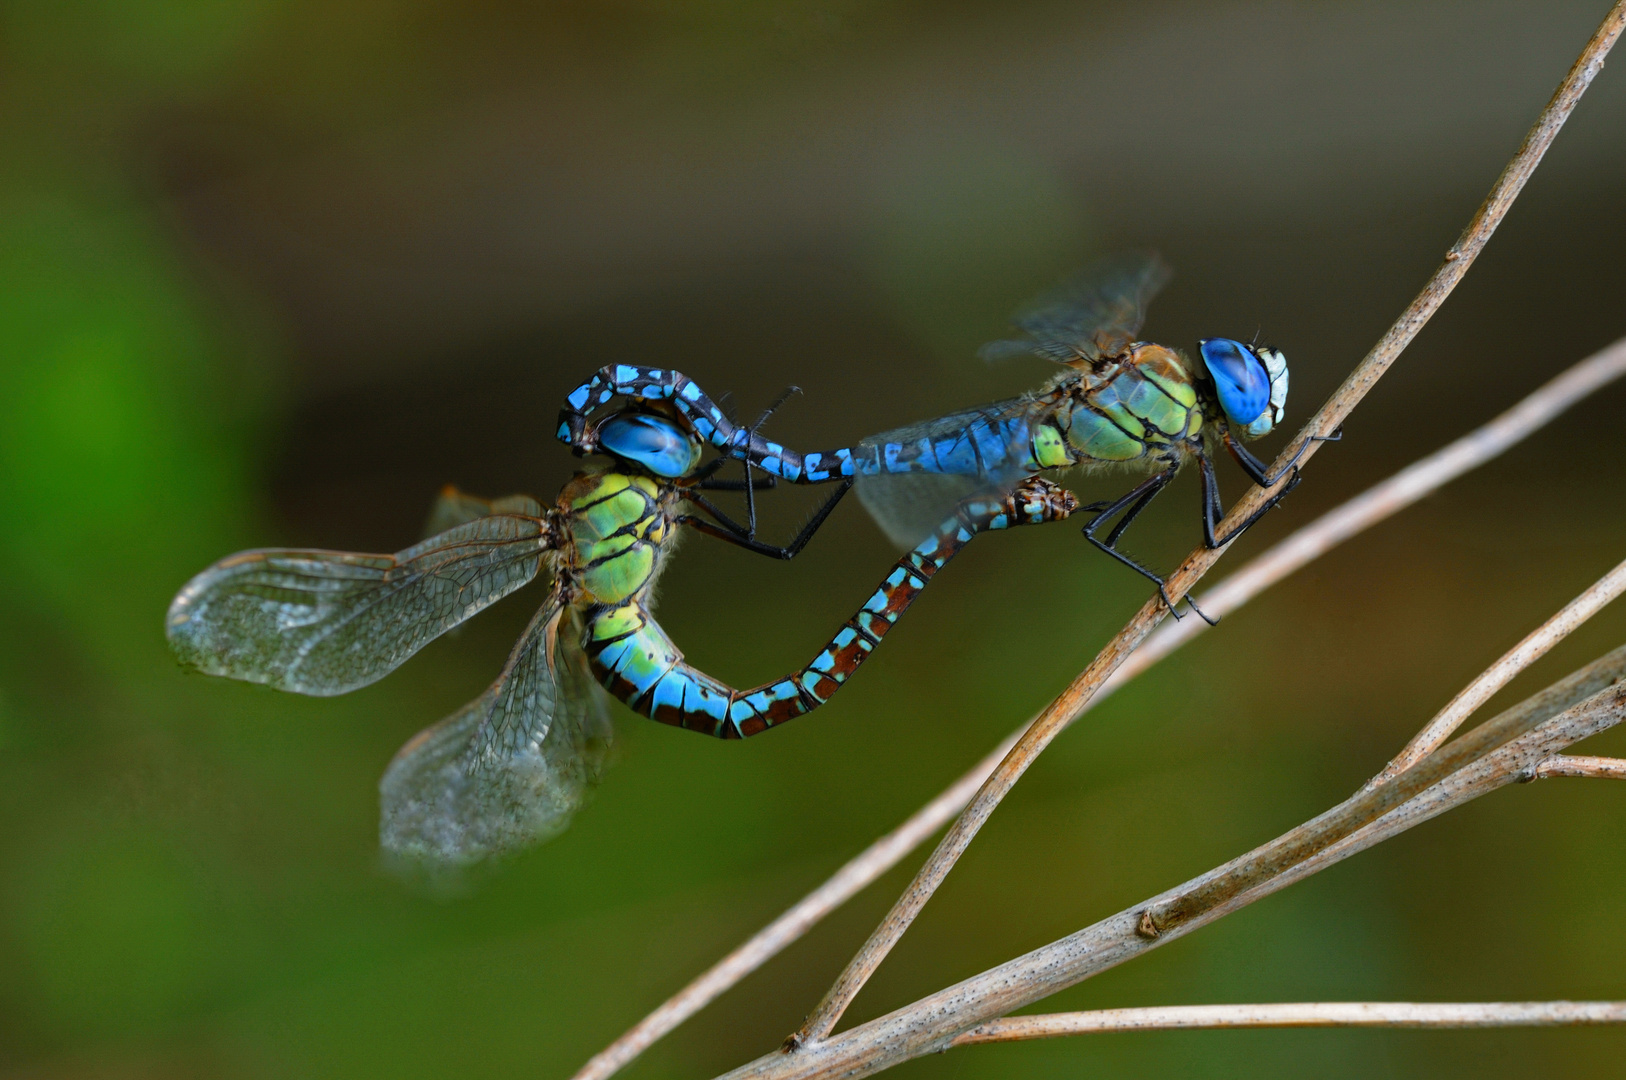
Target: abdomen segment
637,662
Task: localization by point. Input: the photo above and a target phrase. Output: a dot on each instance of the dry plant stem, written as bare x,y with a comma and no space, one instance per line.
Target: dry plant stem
1073,700
1603,768
1503,751
1373,801
1521,656
1386,1014
1303,546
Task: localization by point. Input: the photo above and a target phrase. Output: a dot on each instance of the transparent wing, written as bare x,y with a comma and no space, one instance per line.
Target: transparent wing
1094,314
325,622
917,475
455,508
511,767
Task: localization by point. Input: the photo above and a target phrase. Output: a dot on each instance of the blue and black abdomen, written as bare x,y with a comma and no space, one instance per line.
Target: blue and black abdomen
636,661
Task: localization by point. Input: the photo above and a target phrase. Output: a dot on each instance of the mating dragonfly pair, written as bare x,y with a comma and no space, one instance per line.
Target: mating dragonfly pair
511,767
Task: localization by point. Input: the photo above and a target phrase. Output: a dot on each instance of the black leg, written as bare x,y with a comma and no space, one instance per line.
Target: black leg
737,535
1131,505
1264,508
722,519
1256,468
1214,510
750,487
703,477
760,483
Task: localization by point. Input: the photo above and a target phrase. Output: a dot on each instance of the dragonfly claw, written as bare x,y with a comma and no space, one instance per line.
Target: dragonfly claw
1201,614
1173,606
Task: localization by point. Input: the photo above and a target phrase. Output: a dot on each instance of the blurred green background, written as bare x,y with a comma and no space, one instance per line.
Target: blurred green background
271,273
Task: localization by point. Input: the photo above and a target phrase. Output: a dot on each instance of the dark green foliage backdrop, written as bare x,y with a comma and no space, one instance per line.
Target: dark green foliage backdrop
272,273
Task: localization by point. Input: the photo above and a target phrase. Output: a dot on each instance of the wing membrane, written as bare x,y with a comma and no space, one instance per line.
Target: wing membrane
455,508
918,474
1097,313
511,767
325,622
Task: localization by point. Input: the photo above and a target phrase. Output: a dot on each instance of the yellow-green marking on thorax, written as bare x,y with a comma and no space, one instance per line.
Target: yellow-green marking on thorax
617,528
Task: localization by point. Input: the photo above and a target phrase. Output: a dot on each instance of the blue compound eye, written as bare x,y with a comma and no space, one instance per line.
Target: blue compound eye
654,442
1239,379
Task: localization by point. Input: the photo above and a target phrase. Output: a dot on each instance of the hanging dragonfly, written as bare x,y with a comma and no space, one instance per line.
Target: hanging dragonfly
511,767
1121,402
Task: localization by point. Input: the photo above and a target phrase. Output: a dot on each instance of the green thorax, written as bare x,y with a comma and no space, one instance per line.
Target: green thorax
1138,404
618,525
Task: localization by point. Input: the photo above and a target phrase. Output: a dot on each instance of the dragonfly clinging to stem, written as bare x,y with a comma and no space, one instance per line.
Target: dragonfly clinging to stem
1121,402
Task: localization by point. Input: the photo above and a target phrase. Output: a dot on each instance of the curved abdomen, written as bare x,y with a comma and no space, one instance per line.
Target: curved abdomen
637,662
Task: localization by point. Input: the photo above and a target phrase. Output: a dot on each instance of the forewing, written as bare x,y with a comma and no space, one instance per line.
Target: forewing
1096,313
511,767
455,508
924,470
325,622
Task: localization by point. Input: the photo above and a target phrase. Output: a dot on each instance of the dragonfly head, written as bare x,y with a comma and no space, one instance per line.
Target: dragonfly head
1250,382
649,440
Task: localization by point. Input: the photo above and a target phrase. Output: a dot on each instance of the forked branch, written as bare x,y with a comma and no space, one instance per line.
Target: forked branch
1505,750
1499,674
1603,768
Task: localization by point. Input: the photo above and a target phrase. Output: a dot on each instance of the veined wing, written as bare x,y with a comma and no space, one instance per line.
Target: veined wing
910,479
1096,313
511,767
454,508
325,622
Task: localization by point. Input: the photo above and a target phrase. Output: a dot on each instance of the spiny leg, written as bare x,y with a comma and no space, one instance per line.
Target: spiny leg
733,532
705,478
750,436
1214,511
1135,501
1256,468
708,483
723,519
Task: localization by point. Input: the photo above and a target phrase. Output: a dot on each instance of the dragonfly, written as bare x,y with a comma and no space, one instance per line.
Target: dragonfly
1120,403
512,766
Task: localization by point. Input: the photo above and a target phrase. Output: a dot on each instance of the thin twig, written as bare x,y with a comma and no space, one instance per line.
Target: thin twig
1072,701
1375,799
1377,503
1385,1014
1499,674
1604,768
1502,751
